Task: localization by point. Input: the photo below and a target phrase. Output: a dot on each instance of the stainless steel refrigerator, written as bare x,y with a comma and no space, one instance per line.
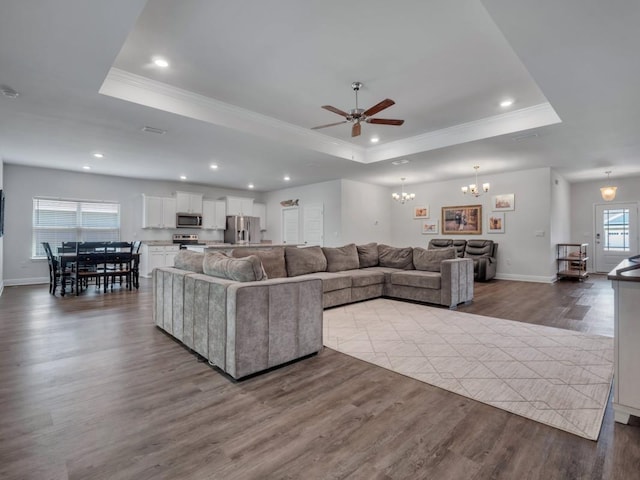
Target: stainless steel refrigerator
242,230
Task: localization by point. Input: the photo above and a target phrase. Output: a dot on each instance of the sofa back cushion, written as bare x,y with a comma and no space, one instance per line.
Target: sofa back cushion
188,260
340,259
368,255
301,261
395,257
247,269
478,248
272,259
429,260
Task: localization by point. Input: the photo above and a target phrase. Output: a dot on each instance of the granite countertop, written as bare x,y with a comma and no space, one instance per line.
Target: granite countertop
632,274
158,243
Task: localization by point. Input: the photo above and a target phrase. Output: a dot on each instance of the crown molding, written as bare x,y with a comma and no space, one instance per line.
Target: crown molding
526,118
151,93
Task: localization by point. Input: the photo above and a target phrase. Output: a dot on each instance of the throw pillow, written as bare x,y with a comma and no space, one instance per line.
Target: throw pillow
429,260
395,257
188,260
272,259
301,261
247,269
341,258
368,255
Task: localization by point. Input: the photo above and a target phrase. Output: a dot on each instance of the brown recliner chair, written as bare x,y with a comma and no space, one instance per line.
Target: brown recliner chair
483,254
459,245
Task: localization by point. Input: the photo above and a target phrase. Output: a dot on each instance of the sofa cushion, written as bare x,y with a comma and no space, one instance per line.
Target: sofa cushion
478,248
429,260
247,269
395,257
333,281
417,278
341,258
362,278
368,255
304,260
188,260
272,259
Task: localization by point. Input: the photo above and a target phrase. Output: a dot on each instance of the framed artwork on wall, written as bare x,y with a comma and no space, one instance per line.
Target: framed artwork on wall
503,202
495,222
462,220
430,227
421,211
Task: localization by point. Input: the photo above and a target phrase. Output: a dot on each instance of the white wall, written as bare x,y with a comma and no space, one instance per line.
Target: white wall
366,213
21,184
584,198
560,213
522,255
327,193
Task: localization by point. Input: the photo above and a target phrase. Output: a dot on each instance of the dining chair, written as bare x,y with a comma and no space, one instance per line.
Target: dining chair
55,272
89,264
118,265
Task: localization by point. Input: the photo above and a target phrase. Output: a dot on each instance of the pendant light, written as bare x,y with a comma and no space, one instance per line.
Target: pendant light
608,193
473,188
403,197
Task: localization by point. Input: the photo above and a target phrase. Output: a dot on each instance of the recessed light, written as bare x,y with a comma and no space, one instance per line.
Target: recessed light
506,103
160,62
287,178
183,177
98,155
402,161
86,167
213,166
250,185
375,139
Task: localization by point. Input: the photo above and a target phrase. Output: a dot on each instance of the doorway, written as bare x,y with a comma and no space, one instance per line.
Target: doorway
616,234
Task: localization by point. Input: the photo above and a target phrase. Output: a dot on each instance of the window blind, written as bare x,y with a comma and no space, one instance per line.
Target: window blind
56,221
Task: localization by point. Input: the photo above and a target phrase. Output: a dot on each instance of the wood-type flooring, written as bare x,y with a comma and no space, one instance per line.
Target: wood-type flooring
91,389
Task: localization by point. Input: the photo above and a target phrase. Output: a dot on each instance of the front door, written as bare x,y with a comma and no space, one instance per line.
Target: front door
616,234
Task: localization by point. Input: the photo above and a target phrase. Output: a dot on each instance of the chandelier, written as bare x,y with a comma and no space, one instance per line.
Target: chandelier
608,193
473,188
403,197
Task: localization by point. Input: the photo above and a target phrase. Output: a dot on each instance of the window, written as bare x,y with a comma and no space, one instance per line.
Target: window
56,221
616,230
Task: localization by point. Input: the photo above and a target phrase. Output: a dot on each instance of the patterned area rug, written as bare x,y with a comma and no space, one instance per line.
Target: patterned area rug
557,377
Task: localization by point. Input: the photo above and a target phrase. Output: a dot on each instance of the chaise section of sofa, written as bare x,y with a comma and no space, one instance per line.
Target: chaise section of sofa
240,327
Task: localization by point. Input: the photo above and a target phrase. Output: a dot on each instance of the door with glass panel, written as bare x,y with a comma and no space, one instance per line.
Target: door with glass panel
616,234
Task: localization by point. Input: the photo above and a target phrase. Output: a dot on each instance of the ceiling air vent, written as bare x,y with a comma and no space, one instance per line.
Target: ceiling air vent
524,136
157,131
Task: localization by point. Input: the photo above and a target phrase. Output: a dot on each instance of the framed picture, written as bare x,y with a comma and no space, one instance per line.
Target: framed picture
462,220
495,222
503,202
421,212
430,227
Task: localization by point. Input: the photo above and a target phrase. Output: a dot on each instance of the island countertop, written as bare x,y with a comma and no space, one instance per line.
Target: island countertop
630,275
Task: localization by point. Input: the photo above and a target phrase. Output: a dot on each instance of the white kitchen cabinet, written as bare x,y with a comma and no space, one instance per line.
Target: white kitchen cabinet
260,211
187,202
154,256
158,212
239,206
214,214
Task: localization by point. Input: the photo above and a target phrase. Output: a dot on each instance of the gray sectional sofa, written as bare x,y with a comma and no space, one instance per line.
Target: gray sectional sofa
263,308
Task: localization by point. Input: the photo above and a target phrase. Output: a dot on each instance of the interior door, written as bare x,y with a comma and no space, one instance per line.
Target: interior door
313,224
616,234
290,225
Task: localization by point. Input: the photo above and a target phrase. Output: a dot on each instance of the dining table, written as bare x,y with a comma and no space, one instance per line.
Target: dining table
103,261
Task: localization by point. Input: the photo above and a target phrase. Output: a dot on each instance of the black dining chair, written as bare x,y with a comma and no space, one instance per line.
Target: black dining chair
119,264
55,272
89,264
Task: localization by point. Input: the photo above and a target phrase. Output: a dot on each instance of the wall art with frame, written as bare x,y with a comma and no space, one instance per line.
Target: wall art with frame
495,222
421,211
504,202
462,220
430,227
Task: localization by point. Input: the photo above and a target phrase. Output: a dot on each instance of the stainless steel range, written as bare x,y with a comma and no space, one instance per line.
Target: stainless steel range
184,239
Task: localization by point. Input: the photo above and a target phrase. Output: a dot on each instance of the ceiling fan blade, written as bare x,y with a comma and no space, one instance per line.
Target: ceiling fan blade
386,103
329,125
355,130
384,121
335,110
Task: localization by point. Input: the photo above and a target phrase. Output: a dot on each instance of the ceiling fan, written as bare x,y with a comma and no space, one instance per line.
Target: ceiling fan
357,115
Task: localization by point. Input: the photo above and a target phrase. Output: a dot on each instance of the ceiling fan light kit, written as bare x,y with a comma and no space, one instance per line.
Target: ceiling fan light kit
358,115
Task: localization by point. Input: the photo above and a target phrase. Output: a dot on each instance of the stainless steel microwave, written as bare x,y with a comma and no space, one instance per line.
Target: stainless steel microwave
188,220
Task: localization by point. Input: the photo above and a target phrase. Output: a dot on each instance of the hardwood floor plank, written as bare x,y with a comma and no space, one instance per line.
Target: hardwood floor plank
91,389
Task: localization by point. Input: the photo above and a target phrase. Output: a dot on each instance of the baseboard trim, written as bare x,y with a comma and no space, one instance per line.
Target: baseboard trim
12,282
525,278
